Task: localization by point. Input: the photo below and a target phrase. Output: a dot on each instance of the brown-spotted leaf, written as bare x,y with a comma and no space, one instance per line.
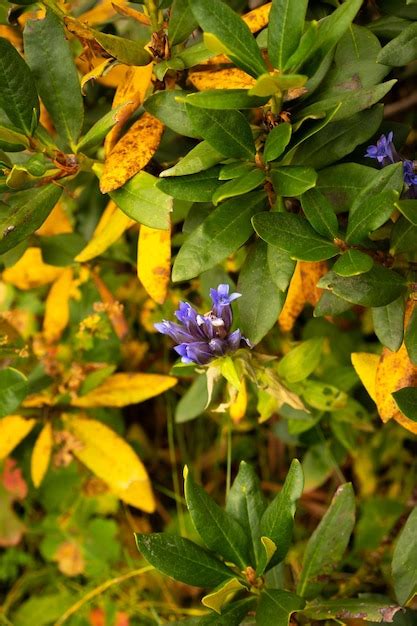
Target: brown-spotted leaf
258,18
228,78
395,371
154,261
132,152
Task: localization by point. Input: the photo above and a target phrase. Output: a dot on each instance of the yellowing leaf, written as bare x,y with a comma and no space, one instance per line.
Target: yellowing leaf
154,261
230,78
130,92
30,271
395,371
41,454
57,306
126,388
302,291
57,223
239,405
132,152
11,34
258,18
113,460
406,422
110,228
37,400
129,12
365,365
13,428
100,13
96,72
223,594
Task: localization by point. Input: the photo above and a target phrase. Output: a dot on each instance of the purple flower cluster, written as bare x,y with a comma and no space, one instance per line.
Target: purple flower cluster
385,153
202,338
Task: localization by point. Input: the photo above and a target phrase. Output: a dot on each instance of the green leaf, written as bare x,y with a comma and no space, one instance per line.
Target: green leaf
293,234
246,504
328,543
269,84
61,250
403,237
124,50
302,360
13,390
261,300
200,158
281,267
222,595
141,200
227,131
12,141
404,571
220,234
173,113
18,94
276,607
378,287
286,25
99,130
305,47
181,22
232,615
406,400
225,99
389,323
49,57
220,531
372,213
367,608
27,213
235,170
320,213
342,183
352,263
239,186
401,50
217,18
278,520
388,26
193,403
334,26
323,396
292,180
182,559
330,304
410,338
336,140
276,142
409,209
198,187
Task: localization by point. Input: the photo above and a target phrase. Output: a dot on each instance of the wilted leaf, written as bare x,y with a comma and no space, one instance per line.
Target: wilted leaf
57,306
41,454
13,428
154,261
113,460
124,389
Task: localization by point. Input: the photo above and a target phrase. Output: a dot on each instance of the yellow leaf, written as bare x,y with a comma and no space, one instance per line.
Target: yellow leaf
114,77
37,400
406,422
11,34
126,388
395,371
57,223
96,72
154,261
41,454
131,92
258,18
365,365
239,404
100,13
302,290
113,460
229,78
57,306
132,152
110,228
30,271
13,428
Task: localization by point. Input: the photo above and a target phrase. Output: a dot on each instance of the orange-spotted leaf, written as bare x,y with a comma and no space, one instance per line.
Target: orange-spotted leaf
395,371
41,454
13,429
110,228
113,460
57,306
30,271
124,389
258,18
366,365
132,152
154,261
230,78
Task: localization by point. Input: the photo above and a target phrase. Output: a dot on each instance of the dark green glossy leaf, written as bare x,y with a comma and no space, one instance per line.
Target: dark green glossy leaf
320,213
13,390
235,170
389,323
304,49
406,400
217,18
225,99
334,26
378,287
141,200
293,234
409,209
276,142
99,130
328,543
352,263
372,213
49,56
330,304
342,183
18,94
221,234
276,607
286,25
198,187
281,267
61,250
410,338
201,157
181,22
220,531
278,520
165,106
292,180
239,186
401,50
28,212
261,300
227,131
403,236
182,559
404,571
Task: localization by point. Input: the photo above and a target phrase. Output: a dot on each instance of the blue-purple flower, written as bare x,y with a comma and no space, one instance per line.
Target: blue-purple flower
202,338
385,153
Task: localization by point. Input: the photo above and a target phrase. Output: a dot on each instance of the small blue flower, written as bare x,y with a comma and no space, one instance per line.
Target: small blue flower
410,176
202,338
384,151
